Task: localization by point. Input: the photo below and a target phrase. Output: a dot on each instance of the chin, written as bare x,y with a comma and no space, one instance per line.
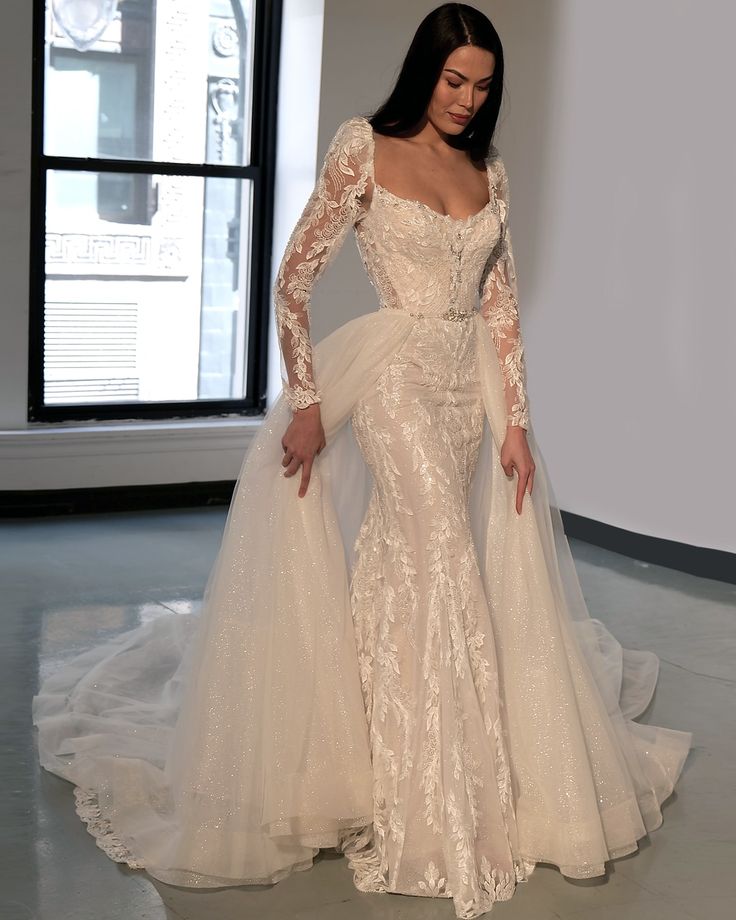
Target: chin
456,129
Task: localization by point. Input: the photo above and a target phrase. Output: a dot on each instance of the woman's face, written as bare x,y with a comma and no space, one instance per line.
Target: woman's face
462,88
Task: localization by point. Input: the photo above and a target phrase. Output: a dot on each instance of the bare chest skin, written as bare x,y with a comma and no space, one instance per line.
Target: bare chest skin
449,183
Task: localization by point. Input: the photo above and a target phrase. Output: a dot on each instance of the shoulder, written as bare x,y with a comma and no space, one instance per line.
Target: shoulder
496,165
355,132
499,176
348,162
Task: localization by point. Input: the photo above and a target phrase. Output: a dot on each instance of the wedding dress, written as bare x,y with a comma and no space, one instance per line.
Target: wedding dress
397,664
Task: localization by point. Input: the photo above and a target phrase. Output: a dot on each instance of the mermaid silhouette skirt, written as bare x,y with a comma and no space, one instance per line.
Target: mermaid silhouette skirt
424,634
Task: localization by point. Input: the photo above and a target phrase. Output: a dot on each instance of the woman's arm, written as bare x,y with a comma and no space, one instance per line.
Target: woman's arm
499,307
500,310
330,211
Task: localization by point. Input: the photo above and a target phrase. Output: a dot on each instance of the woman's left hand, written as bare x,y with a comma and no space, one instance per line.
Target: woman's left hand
516,455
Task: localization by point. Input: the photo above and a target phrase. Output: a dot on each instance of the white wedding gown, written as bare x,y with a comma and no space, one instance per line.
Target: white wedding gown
398,664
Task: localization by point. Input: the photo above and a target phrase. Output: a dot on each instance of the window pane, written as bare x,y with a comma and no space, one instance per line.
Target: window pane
165,80
146,287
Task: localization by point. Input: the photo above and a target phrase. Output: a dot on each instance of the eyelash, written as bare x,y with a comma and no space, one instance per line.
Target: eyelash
483,89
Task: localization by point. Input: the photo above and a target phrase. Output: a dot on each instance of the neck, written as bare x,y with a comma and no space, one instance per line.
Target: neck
432,138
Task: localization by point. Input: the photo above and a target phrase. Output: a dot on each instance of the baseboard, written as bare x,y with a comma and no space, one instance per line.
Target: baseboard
50,502
695,560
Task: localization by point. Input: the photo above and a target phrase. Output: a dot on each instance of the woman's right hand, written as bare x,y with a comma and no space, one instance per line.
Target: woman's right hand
302,441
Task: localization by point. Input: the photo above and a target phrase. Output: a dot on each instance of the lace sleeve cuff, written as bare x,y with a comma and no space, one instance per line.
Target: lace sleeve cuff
299,397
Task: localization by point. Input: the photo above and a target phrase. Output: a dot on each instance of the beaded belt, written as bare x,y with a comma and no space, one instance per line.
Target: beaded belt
451,314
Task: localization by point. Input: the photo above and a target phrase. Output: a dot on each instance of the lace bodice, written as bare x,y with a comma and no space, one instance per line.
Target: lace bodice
418,260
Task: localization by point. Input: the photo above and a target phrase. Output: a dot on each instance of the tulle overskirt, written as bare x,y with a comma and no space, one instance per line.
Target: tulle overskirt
227,747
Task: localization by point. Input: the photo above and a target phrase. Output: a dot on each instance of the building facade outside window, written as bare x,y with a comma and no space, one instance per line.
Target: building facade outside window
154,136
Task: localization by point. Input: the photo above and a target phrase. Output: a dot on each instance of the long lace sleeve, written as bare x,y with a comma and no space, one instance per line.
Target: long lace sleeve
330,212
499,307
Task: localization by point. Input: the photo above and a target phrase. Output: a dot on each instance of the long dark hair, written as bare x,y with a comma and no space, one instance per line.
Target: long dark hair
440,32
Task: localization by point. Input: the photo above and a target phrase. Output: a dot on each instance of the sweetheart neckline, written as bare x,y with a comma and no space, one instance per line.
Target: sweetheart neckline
415,201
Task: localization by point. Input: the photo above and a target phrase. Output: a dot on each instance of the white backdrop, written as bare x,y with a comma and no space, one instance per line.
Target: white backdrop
617,135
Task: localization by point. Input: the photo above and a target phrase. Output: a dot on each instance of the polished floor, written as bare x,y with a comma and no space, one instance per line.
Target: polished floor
67,583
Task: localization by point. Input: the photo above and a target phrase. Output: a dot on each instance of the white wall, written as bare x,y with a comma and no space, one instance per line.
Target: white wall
297,161
616,135
15,177
620,150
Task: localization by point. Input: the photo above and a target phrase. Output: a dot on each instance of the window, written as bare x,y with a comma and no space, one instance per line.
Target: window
152,200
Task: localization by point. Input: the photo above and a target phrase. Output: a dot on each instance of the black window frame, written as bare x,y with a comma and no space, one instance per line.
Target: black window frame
261,172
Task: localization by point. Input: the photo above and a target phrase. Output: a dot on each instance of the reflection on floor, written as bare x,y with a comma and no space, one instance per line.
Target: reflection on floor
69,583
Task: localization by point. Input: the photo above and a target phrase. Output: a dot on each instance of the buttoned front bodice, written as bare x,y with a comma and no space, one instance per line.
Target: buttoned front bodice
424,261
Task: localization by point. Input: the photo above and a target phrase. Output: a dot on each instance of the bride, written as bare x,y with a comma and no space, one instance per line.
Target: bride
394,656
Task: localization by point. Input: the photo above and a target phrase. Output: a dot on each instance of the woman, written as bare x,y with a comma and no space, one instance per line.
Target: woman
394,658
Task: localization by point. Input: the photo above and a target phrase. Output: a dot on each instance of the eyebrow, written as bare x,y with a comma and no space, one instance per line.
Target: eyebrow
462,75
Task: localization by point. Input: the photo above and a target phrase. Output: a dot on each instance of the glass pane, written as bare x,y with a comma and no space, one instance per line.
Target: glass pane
164,80
146,287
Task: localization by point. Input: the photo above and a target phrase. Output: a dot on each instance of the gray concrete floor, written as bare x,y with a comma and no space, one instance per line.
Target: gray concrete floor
69,583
